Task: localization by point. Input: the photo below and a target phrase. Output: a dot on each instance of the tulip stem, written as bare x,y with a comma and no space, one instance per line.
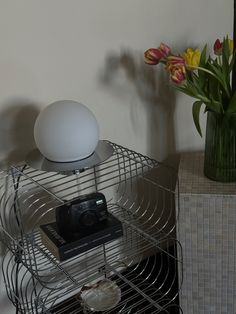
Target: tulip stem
202,69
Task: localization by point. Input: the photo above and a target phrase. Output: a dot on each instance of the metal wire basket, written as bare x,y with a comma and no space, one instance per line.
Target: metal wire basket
146,263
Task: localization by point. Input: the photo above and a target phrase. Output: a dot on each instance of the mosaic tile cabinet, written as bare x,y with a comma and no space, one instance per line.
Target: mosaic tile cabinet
207,232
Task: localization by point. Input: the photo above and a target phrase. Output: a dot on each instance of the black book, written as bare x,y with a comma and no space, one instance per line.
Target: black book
64,247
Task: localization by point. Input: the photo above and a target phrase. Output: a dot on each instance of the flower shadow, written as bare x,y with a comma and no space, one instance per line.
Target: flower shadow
156,101
16,135
155,94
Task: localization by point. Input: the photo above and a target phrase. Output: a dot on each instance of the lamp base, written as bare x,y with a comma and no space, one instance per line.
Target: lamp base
37,161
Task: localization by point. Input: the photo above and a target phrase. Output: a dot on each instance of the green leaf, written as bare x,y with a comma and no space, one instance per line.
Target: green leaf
196,111
202,79
225,53
194,85
225,50
191,88
217,71
184,90
232,105
202,63
213,89
203,57
231,65
215,106
226,69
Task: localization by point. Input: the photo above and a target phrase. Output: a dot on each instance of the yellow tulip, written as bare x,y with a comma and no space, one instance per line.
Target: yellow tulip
192,57
231,45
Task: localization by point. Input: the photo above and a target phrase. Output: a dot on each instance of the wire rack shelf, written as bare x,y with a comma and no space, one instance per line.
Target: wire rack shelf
145,263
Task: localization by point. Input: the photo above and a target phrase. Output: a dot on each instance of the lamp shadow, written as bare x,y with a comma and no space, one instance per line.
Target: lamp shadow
158,98
16,135
16,140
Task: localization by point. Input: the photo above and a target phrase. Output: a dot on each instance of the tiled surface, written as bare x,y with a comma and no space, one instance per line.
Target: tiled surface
207,232
192,179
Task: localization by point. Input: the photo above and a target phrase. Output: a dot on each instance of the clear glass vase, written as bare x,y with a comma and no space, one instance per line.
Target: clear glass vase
220,147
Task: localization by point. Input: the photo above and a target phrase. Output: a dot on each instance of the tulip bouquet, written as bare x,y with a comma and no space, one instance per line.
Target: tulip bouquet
205,78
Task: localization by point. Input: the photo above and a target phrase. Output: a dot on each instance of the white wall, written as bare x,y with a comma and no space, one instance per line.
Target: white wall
91,51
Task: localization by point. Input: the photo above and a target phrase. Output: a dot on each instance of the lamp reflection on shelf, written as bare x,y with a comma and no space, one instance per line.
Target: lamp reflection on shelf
102,152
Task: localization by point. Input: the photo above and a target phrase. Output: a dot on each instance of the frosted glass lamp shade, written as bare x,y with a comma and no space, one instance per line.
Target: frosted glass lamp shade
66,131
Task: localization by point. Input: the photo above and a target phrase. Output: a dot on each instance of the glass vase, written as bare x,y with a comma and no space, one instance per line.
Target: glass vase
220,147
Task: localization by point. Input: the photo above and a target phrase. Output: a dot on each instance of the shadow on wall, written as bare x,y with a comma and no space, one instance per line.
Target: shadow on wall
156,95
16,130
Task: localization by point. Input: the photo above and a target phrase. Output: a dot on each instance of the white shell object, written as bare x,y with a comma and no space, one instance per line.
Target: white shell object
66,131
101,296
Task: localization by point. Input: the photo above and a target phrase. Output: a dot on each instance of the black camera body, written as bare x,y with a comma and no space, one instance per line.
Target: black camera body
82,216
81,225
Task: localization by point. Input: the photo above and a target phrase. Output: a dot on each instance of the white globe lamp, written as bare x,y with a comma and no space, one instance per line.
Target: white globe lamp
66,131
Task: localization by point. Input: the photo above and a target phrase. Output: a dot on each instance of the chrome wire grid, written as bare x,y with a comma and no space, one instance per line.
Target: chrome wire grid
137,193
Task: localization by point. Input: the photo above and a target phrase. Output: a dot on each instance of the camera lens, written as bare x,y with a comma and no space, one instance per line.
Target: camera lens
88,219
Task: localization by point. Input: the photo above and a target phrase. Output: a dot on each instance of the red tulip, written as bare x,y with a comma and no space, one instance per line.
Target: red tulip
176,67
178,74
218,47
154,55
165,49
175,61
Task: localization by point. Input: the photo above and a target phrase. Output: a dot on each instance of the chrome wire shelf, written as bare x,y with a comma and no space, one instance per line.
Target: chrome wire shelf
146,263
143,289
